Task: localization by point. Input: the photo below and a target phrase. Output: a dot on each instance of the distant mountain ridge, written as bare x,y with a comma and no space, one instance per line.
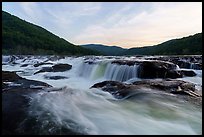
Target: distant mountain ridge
21,37
190,45
104,49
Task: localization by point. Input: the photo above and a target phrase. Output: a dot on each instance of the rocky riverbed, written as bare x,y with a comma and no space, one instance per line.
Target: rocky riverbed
82,95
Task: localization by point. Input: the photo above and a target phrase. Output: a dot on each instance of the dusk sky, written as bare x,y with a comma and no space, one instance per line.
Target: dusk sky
125,24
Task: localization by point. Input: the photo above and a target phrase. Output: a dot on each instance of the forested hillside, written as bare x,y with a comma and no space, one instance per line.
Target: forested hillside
21,37
190,45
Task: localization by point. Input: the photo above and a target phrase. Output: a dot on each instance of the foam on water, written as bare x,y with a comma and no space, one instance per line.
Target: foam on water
92,111
86,112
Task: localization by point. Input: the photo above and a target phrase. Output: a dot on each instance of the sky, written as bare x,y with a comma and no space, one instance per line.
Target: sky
124,24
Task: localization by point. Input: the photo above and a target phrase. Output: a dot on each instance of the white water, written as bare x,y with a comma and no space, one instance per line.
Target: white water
92,111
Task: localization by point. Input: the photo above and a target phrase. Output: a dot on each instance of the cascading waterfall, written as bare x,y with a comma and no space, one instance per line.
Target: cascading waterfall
120,72
98,70
109,71
85,69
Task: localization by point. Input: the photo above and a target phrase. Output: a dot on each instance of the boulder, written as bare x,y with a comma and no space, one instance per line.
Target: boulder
117,89
61,67
10,76
55,68
158,69
189,73
42,63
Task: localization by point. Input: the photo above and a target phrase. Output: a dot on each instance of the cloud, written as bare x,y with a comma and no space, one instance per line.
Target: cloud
30,12
57,17
164,22
126,24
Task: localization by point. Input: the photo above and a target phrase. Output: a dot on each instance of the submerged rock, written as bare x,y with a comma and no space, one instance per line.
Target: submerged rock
55,68
24,65
55,77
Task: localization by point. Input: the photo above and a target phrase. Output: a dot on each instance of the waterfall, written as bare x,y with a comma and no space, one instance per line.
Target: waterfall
86,69
98,70
193,66
120,72
108,71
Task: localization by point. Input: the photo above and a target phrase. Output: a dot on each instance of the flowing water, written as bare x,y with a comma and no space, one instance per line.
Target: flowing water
92,111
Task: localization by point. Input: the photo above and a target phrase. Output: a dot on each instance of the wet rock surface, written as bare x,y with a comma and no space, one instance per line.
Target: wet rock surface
153,69
189,73
24,65
189,62
55,68
55,58
178,88
158,69
15,100
55,77
42,63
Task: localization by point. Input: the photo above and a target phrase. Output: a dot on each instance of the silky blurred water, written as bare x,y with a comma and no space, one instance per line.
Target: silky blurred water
92,111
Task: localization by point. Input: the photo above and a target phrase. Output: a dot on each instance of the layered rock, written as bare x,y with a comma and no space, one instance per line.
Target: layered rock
180,89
